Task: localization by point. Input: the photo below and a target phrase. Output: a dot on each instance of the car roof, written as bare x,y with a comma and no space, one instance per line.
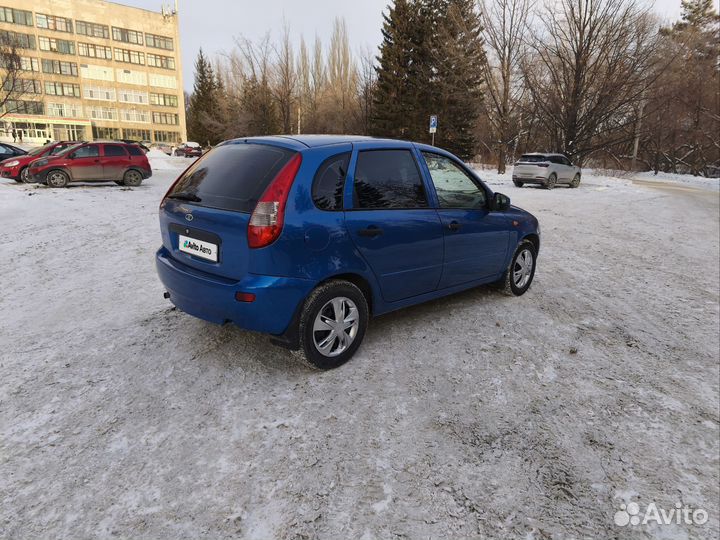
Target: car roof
543,154
300,142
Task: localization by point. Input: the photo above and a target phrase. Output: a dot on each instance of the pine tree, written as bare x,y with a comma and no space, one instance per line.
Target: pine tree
459,66
393,100
203,103
430,63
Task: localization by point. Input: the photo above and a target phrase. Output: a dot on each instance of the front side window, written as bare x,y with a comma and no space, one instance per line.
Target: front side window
327,189
454,187
388,179
91,150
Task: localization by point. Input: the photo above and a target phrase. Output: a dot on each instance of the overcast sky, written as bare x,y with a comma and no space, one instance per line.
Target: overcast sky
212,24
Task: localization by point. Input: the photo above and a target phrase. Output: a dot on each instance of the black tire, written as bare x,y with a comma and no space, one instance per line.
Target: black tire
518,184
551,181
132,178
24,175
315,303
507,283
57,179
576,181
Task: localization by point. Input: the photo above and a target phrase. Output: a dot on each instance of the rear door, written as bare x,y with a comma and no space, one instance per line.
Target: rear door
389,219
86,164
476,240
115,161
204,217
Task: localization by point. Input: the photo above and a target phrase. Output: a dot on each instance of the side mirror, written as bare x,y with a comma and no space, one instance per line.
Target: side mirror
71,155
500,202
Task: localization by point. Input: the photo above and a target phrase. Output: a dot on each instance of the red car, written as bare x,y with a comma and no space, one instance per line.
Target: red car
124,164
189,149
17,167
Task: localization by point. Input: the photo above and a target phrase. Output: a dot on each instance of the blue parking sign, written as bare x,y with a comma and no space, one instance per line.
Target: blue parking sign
433,123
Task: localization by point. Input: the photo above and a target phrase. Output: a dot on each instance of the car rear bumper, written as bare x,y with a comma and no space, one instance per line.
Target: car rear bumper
530,179
212,298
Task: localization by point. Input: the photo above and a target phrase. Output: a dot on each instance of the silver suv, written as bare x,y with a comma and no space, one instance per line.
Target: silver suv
545,169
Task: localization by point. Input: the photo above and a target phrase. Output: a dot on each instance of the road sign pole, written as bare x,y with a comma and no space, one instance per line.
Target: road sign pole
433,127
433,139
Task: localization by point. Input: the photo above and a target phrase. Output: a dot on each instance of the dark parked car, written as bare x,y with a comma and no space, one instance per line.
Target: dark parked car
305,237
8,151
125,164
17,168
142,145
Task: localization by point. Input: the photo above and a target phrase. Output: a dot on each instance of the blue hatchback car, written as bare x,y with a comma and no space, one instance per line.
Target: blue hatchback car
305,237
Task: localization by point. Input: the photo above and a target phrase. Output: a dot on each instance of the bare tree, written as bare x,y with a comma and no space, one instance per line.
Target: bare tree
505,25
367,81
285,80
12,85
588,70
342,74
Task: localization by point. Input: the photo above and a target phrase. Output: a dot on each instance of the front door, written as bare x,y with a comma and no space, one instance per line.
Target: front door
86,163
476,240
392,225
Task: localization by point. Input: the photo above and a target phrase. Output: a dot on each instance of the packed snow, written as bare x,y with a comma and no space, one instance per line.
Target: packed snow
474,415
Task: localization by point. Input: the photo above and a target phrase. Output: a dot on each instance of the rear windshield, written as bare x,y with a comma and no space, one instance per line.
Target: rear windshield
231,176
534,159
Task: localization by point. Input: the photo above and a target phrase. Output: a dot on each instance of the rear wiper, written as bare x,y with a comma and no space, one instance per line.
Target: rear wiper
185,196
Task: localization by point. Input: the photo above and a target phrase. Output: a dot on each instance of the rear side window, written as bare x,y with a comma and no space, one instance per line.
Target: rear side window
114,150
388,179
231,176
329,182
533,159
135,151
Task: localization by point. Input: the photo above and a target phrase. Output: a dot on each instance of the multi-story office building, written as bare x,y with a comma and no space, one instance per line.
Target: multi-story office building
94,70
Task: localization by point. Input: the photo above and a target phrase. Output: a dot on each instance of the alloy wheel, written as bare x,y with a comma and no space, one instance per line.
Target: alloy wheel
522,269
335,326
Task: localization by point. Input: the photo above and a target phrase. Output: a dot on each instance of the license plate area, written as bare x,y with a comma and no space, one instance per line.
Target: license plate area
198,243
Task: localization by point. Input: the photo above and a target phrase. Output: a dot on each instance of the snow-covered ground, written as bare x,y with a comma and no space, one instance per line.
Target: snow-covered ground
478,414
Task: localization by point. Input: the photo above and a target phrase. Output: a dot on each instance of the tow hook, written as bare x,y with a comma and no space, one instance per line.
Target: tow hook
166,295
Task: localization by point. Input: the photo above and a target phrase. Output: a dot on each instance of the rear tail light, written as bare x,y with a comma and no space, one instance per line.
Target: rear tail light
267,219
244,297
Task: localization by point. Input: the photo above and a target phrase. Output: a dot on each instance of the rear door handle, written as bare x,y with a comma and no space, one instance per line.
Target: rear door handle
454,226
370,232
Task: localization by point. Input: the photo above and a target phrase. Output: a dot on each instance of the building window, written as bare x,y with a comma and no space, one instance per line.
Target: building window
19,40
160,61
29,64
127,36
22,86
56,67
159,42
163,100
94,51
128,76
136,134
132,96
134,115
64,109
165,118
16,106
129,57
163,81
98,73
62,46
166,136
92,29
53,22
62,89
107,133
16,16
103,113
98,93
